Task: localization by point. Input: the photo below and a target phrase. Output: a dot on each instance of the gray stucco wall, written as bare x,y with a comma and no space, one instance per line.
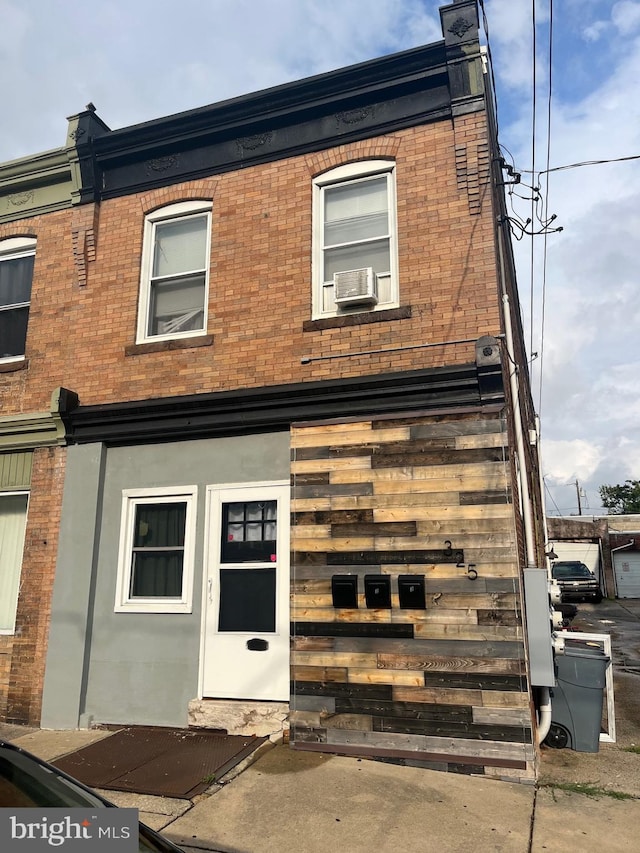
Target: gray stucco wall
139,668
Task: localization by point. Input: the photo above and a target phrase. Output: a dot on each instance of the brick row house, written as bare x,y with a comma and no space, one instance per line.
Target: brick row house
265,443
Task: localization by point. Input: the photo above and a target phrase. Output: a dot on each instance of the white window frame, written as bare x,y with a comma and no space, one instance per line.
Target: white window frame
342,175
131,498
10,249
6,494
180,210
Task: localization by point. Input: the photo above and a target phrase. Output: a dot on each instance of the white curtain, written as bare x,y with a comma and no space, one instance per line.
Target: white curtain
356,211
180,246
13,517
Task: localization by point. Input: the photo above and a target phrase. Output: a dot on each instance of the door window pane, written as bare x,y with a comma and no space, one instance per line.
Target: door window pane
248,600
249,532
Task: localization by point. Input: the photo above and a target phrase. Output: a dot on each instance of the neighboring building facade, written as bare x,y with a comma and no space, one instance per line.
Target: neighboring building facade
43,253
291,486
609,545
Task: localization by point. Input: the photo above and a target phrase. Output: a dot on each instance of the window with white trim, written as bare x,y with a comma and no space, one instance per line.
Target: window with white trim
13,521
174,282
355,244
16,273
157,538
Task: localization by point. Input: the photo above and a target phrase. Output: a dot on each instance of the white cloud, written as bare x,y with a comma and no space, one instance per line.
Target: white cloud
626,16
595,31
565,460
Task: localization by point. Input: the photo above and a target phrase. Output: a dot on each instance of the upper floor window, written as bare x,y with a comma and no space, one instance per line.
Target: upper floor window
355,254
174,282
16,274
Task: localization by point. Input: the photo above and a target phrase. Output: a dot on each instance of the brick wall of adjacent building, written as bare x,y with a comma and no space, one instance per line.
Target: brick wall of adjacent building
22,655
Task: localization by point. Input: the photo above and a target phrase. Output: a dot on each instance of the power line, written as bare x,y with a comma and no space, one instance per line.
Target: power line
546,211
533,166
604,161
548,491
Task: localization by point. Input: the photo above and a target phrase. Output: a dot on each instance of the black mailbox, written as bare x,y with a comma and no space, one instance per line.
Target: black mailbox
411,592
344,590
377,590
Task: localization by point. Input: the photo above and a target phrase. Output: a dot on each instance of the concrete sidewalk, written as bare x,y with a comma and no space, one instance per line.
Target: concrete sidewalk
309,803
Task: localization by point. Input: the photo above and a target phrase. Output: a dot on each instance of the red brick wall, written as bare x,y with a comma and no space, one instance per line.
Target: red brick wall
83,315
22,656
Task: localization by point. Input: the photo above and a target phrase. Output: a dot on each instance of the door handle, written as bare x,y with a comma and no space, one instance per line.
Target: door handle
210,587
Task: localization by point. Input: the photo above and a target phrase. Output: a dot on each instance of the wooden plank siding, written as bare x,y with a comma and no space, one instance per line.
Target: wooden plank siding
445,686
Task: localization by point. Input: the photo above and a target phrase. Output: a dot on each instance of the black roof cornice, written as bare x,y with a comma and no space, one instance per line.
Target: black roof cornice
275,408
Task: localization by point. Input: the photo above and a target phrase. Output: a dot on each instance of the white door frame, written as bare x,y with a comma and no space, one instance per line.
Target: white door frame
211,560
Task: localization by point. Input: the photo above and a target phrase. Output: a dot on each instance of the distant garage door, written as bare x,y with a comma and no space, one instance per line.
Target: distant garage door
627,569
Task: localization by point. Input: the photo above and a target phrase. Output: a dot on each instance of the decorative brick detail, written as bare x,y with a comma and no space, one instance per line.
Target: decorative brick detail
192,191
84,230
381,148
473,164
16,229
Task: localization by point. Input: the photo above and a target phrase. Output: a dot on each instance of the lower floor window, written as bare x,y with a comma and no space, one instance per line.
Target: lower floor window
155,569
13,520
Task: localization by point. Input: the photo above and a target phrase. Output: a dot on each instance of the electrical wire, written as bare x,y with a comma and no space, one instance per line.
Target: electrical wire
533,166
548,491
546,212
603,161
593,163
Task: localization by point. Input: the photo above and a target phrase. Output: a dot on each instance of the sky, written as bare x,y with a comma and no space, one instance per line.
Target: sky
142,59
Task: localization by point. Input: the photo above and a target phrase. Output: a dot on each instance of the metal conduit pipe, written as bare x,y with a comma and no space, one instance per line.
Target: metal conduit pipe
522,459
544,715
544,704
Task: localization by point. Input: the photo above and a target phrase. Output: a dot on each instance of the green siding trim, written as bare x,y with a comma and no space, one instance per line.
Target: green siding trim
15,471
38,184
26,431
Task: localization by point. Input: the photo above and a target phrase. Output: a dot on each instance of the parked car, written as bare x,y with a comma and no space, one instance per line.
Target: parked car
27,781
576,581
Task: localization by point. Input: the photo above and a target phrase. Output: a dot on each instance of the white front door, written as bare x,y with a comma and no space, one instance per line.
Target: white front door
246,625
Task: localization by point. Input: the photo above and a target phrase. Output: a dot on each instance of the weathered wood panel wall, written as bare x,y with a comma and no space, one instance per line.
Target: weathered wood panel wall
444,687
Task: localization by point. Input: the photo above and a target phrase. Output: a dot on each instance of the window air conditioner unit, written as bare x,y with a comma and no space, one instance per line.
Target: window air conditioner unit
356,287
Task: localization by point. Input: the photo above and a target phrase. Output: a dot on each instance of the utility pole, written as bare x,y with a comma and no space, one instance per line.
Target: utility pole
578,493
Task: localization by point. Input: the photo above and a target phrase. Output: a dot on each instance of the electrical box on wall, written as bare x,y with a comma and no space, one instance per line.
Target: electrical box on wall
411,592
344,590
538,611
377,591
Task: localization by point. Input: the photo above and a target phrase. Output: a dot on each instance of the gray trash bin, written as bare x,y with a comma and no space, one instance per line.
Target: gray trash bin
576,701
